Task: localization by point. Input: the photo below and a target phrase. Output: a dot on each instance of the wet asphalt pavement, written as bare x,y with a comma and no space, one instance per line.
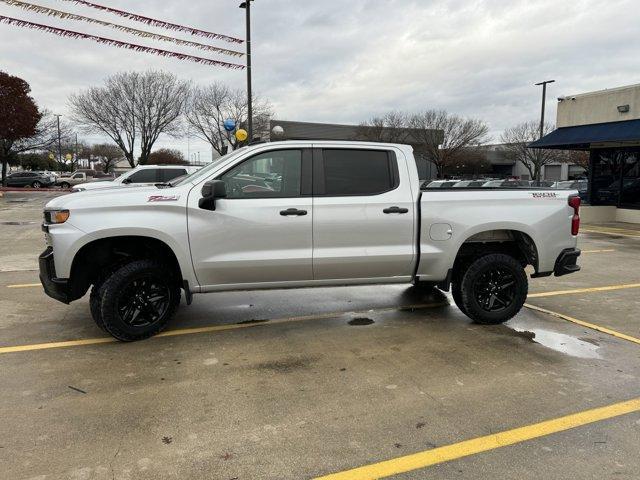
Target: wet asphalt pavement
297,384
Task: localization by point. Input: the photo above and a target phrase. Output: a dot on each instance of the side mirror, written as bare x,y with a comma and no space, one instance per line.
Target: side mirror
126,181
210,191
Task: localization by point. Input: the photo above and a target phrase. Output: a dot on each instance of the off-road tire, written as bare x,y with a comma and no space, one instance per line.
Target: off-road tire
95,301
120,284
486,273
456,293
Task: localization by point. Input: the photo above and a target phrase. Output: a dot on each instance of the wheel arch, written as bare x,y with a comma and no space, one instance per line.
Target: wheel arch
101,255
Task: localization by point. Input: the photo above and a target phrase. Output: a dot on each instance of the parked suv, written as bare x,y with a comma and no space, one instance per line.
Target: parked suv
29,179
140,176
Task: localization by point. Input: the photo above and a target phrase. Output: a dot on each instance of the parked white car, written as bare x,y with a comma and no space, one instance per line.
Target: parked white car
302,214
139,176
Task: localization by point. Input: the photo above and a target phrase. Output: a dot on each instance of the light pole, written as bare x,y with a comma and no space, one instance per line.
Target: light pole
544,100
247,7
59,142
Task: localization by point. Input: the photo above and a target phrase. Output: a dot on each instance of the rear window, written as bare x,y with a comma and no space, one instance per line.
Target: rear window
358,172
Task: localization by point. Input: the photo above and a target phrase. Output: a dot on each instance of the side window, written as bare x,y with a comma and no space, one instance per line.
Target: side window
168,174
77,175
274,174
149,175
358,172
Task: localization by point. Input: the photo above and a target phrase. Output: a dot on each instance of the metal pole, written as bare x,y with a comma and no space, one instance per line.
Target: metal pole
544,101
59,142
249,92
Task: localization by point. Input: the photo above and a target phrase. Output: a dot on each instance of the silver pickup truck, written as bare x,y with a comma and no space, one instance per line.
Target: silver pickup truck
302,214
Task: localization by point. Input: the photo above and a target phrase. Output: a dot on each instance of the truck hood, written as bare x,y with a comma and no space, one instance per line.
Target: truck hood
115,197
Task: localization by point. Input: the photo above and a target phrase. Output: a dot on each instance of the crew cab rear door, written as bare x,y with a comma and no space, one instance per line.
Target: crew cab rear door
363,214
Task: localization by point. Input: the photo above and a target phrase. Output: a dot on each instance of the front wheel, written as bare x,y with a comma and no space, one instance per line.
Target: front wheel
36,184
493,289
65,185
138,300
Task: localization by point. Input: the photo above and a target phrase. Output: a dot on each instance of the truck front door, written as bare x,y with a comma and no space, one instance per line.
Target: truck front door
260,233
363,215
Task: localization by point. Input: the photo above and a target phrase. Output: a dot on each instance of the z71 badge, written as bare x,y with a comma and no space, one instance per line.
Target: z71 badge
544,195
164,198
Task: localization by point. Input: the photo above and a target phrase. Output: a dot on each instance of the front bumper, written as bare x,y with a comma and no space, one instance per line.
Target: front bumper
567,262
56,288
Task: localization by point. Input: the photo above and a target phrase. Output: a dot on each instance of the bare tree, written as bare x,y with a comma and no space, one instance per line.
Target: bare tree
391,127
133,109
459,134
108,155
210,106
516,142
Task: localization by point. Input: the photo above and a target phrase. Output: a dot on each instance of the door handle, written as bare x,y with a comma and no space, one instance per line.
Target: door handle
293,212
395,210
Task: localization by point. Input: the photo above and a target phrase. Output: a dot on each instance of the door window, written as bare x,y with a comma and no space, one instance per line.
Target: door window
357,172
149,175
168,174
274,174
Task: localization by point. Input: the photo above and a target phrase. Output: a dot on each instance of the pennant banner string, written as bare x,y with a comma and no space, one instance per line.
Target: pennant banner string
116,43
141,33
158,23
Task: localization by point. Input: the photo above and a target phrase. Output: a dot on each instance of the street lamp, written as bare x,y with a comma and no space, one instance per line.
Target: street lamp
544,99
247,7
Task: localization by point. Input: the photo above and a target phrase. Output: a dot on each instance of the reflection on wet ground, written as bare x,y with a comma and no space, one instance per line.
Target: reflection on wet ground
560,342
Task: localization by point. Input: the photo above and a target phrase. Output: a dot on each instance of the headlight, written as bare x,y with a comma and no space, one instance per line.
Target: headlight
56,216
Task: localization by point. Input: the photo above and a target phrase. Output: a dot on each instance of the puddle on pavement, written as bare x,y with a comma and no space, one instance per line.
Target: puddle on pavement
572,346
360,321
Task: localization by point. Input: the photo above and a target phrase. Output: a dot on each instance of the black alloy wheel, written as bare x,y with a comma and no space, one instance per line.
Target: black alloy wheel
492,289
495,289
136,301
144,301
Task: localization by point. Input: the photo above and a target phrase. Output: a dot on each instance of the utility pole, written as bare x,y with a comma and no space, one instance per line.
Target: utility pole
247,6
59,142
544,101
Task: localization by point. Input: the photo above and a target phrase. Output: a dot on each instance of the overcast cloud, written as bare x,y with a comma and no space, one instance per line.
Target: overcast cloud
345,61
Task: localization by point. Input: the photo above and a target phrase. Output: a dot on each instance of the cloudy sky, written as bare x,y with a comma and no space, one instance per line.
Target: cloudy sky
345,61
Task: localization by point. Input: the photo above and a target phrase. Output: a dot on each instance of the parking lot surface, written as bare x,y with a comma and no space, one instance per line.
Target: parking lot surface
300,384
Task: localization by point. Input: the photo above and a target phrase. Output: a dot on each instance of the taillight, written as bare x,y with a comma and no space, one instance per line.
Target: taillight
574,202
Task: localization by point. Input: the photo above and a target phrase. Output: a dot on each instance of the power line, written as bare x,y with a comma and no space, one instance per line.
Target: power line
117,43
31,7
158,23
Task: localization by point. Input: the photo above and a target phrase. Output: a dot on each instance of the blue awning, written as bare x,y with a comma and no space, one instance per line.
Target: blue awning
582,136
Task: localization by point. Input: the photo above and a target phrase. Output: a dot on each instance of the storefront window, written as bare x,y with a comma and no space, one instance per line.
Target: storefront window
615,177
630,196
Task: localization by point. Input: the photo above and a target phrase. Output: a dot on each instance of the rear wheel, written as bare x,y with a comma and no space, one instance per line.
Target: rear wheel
138,300
493,289
65,185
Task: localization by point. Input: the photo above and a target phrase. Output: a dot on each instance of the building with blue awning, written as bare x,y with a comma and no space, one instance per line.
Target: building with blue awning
605,123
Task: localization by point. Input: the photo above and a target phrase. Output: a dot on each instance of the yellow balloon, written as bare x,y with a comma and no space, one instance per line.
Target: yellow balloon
241,135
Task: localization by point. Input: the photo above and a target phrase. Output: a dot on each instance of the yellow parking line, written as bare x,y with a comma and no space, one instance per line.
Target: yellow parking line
592,326
26,285
213,328
611,232
607,288
599,251
474,446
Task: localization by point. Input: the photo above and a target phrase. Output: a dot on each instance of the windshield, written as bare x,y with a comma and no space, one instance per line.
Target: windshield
203,172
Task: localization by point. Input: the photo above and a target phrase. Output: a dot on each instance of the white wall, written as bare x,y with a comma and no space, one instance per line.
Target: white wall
599,107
